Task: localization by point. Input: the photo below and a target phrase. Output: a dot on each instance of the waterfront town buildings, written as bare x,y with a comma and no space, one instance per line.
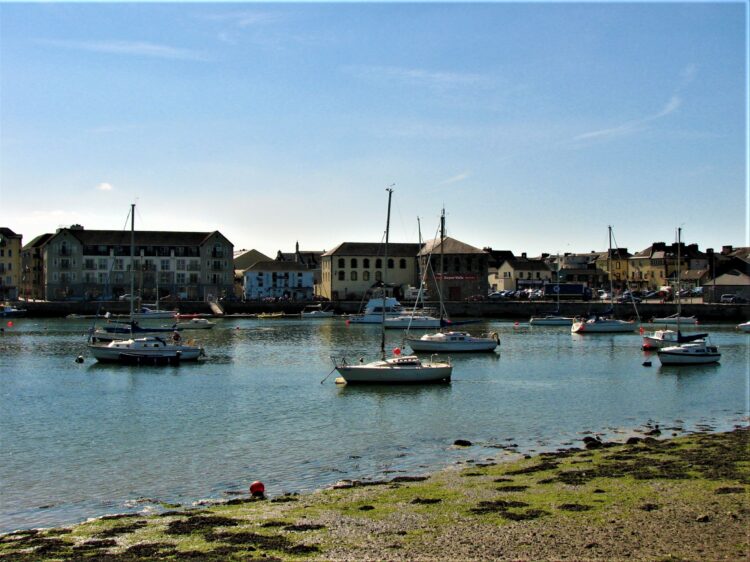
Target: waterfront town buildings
10,264
78,264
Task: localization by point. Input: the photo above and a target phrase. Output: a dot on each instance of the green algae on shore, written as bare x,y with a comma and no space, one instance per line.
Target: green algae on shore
684,498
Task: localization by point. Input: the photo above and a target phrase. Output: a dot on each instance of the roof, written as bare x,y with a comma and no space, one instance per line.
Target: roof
248,258
8,233
142,237
528,265
37,242
449,246
275,265
370,249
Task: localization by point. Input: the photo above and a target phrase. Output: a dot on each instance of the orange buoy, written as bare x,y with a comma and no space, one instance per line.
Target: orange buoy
257,488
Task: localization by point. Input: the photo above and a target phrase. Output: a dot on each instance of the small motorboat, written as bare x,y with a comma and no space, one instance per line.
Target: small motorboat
454,342
551,320
696,353
602,325
9,311
675,319
666,338
315,311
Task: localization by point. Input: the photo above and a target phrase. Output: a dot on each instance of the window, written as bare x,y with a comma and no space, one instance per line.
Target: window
342,275
180,278
365,276
342,262
378,276
456,264
366,263
353,276
390,263
102,263
354,263
378,263
164,265
402,263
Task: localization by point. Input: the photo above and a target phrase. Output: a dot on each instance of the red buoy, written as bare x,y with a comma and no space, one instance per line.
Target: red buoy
396,351
257,488
10,323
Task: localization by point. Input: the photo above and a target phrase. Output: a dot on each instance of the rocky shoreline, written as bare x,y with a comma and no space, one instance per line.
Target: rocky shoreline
684,498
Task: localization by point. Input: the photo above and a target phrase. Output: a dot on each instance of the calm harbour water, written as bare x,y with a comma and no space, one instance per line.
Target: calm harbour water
82,440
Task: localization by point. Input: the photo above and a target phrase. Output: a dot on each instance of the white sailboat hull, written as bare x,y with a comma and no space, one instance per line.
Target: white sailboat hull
602,326
143,349
687,320
413,322
745,326
689,354
407,369
551,321
453,342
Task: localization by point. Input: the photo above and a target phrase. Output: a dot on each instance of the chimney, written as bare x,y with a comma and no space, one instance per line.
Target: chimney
523,255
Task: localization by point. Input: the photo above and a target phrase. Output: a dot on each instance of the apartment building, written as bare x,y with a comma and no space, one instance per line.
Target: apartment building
84,264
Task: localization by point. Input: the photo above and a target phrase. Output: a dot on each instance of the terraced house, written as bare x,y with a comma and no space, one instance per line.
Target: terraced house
81,264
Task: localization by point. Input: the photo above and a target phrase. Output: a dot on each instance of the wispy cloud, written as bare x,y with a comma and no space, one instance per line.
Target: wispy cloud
129,48
244,18
417,76
104,186
631,127
455,179
687,75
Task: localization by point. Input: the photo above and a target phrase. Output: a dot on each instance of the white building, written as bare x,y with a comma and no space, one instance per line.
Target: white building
279,279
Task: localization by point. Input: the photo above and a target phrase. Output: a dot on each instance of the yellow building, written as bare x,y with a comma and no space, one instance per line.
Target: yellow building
351,269
10,264
616,264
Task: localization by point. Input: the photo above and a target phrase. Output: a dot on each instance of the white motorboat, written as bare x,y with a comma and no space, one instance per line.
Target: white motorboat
666,338
696,353
454,342
675,319
377,310
745,326
149,350
551,320
602,325
397,369
315,311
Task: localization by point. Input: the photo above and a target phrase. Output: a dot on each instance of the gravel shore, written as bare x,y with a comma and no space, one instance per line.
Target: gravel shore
679,499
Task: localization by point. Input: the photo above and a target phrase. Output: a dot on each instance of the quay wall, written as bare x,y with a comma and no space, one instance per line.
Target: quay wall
514,310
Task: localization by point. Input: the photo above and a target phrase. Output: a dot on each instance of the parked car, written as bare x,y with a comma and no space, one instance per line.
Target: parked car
475,298
733,299
628,298
651,295
697,292
496,296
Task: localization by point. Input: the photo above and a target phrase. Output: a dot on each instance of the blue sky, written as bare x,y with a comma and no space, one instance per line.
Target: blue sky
536,125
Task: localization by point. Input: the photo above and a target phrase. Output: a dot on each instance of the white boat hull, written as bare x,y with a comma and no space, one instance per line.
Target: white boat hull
607,326
453,342
551,321
147,350
686,320
745,326
316,315
408,369
689,354
411,322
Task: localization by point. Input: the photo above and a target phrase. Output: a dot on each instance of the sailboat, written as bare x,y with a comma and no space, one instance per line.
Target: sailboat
148,349
553,319
451,341
690,350
396,369
604,323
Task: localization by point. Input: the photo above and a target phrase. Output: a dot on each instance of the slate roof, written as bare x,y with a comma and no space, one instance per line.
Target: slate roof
8,233
142,237
451,246
37,242
395,250
249,257
528,265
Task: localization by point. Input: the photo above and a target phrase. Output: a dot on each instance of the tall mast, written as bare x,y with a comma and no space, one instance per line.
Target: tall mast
442,268
679,300
385,269
609,270
132,258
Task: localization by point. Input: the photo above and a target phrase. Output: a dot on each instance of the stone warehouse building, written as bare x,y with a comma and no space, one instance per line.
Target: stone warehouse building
79,264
